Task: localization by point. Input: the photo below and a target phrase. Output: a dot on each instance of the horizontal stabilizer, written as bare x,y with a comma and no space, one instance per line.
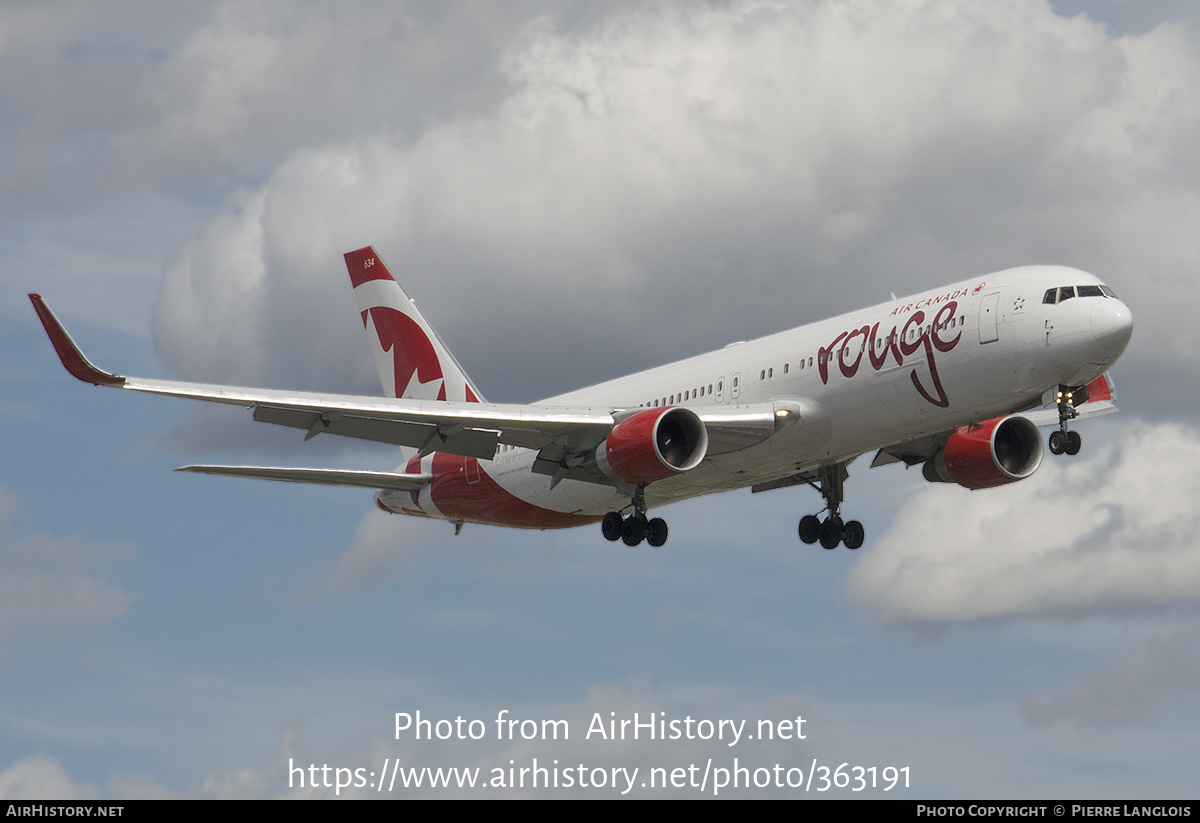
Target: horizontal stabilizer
329,477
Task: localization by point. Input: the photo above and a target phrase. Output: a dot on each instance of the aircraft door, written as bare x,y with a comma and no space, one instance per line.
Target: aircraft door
989,308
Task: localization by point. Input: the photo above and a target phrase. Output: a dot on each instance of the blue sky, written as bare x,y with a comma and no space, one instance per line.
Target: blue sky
543,177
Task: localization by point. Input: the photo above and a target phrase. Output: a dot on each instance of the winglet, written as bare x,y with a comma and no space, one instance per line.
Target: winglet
70,355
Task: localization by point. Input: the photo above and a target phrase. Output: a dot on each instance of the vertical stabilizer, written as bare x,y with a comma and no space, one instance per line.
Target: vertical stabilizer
411,359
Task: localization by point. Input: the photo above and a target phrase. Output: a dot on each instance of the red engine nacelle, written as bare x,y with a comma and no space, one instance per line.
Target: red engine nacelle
653,444
988,454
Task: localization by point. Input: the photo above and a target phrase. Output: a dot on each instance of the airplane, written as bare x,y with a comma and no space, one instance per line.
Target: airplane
956,380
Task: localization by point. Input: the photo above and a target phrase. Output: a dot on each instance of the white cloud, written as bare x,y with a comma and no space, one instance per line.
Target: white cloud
98,103
662,163
1115,529
39,777
381,546
52,584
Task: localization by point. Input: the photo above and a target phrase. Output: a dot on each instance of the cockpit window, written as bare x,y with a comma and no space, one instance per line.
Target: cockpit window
1062,293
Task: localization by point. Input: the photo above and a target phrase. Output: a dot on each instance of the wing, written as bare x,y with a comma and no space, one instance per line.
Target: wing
564,436
1097,399
469,429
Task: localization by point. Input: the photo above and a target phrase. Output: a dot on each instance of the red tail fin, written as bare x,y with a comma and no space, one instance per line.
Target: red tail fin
411,359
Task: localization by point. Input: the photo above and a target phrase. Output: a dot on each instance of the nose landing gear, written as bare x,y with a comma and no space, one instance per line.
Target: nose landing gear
1065,440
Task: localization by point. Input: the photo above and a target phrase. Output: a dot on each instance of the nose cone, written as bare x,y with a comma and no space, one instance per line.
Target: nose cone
1112,326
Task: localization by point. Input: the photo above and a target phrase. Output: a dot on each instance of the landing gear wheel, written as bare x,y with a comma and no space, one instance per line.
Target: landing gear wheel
853,534
613,526
831,532
1064,440
634,530
810,529
657,529
1074,442
1058,442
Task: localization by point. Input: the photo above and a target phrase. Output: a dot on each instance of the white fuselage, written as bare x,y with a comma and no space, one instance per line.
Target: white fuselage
895,372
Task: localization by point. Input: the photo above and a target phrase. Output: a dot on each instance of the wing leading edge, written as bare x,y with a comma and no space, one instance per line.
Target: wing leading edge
468,429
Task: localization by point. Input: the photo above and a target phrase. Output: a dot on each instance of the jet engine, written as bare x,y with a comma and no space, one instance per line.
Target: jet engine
992,453
653,444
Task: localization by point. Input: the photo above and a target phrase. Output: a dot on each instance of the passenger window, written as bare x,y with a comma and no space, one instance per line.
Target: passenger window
771,372
785,368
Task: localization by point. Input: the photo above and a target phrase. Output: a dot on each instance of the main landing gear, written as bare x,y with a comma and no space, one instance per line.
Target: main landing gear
1065,440
831,531
636,527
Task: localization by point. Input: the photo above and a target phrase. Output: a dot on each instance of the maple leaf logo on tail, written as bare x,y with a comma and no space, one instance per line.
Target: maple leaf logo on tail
412,355
412,361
